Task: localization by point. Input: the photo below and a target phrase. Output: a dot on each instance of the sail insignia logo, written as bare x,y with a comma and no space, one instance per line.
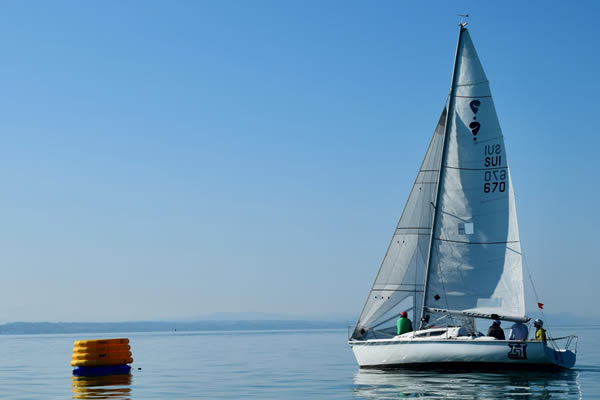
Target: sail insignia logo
517,351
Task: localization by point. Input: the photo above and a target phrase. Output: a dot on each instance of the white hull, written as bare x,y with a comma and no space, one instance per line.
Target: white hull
405,352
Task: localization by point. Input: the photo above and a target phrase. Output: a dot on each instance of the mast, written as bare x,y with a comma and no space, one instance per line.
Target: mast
441,173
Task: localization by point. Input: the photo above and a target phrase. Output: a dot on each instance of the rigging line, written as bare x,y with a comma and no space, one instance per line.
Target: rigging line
400,245
445,293
454,216
388,320
420,211
431,149
460,241
424,216
432,155
450,107
398,284
514,251
382,332
444,290
414,306
472,84
560,338
398,253
537,299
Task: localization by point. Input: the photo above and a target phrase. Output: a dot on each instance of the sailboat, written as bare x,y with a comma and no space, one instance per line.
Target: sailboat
455,256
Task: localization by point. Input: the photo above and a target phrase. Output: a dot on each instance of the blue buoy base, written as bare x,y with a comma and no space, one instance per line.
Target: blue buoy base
101,371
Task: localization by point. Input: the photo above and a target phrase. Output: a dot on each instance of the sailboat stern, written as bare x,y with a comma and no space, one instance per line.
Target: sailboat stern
563,358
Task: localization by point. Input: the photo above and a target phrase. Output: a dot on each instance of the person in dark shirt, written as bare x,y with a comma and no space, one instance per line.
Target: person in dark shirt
495,331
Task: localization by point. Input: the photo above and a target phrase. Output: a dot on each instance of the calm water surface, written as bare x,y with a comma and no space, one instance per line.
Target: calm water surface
270,365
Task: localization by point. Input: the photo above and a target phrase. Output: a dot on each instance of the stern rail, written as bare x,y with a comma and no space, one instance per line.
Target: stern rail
570,344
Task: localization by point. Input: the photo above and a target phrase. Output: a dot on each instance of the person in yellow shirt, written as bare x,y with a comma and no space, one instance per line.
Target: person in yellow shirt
540,332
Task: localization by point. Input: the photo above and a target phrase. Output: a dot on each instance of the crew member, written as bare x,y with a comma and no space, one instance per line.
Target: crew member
540,332
518,331
495,331
404,324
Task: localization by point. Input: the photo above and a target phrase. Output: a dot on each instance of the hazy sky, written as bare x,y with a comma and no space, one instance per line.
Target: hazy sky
174,158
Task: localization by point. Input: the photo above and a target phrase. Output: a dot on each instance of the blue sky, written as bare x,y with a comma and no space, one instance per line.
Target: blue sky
170,159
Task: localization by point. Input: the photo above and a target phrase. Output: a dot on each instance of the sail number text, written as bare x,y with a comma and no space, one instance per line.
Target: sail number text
494,174
494,179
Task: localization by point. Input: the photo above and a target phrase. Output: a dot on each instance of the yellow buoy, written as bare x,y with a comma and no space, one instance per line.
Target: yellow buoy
100,353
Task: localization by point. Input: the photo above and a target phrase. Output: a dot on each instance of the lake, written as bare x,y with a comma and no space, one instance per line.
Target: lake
316,364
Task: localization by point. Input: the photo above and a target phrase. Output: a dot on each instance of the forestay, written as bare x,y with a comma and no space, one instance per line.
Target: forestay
401,277
475,261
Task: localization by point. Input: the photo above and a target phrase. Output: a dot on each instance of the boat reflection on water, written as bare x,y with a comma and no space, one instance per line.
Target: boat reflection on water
102,387
397,384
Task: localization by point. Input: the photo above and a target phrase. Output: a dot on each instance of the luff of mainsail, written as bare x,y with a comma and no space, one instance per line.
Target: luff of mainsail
401,277
474,264
450,105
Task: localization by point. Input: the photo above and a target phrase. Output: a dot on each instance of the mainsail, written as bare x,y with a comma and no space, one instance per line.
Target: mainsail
470,265
475,261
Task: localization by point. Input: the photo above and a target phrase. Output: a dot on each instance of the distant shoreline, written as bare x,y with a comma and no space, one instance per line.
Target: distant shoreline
31,328
248,321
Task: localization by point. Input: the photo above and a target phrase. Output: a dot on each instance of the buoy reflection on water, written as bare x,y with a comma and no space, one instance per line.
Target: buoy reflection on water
102,387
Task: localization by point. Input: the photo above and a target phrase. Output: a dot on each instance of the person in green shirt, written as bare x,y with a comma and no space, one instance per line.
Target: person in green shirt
404,325
540,333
